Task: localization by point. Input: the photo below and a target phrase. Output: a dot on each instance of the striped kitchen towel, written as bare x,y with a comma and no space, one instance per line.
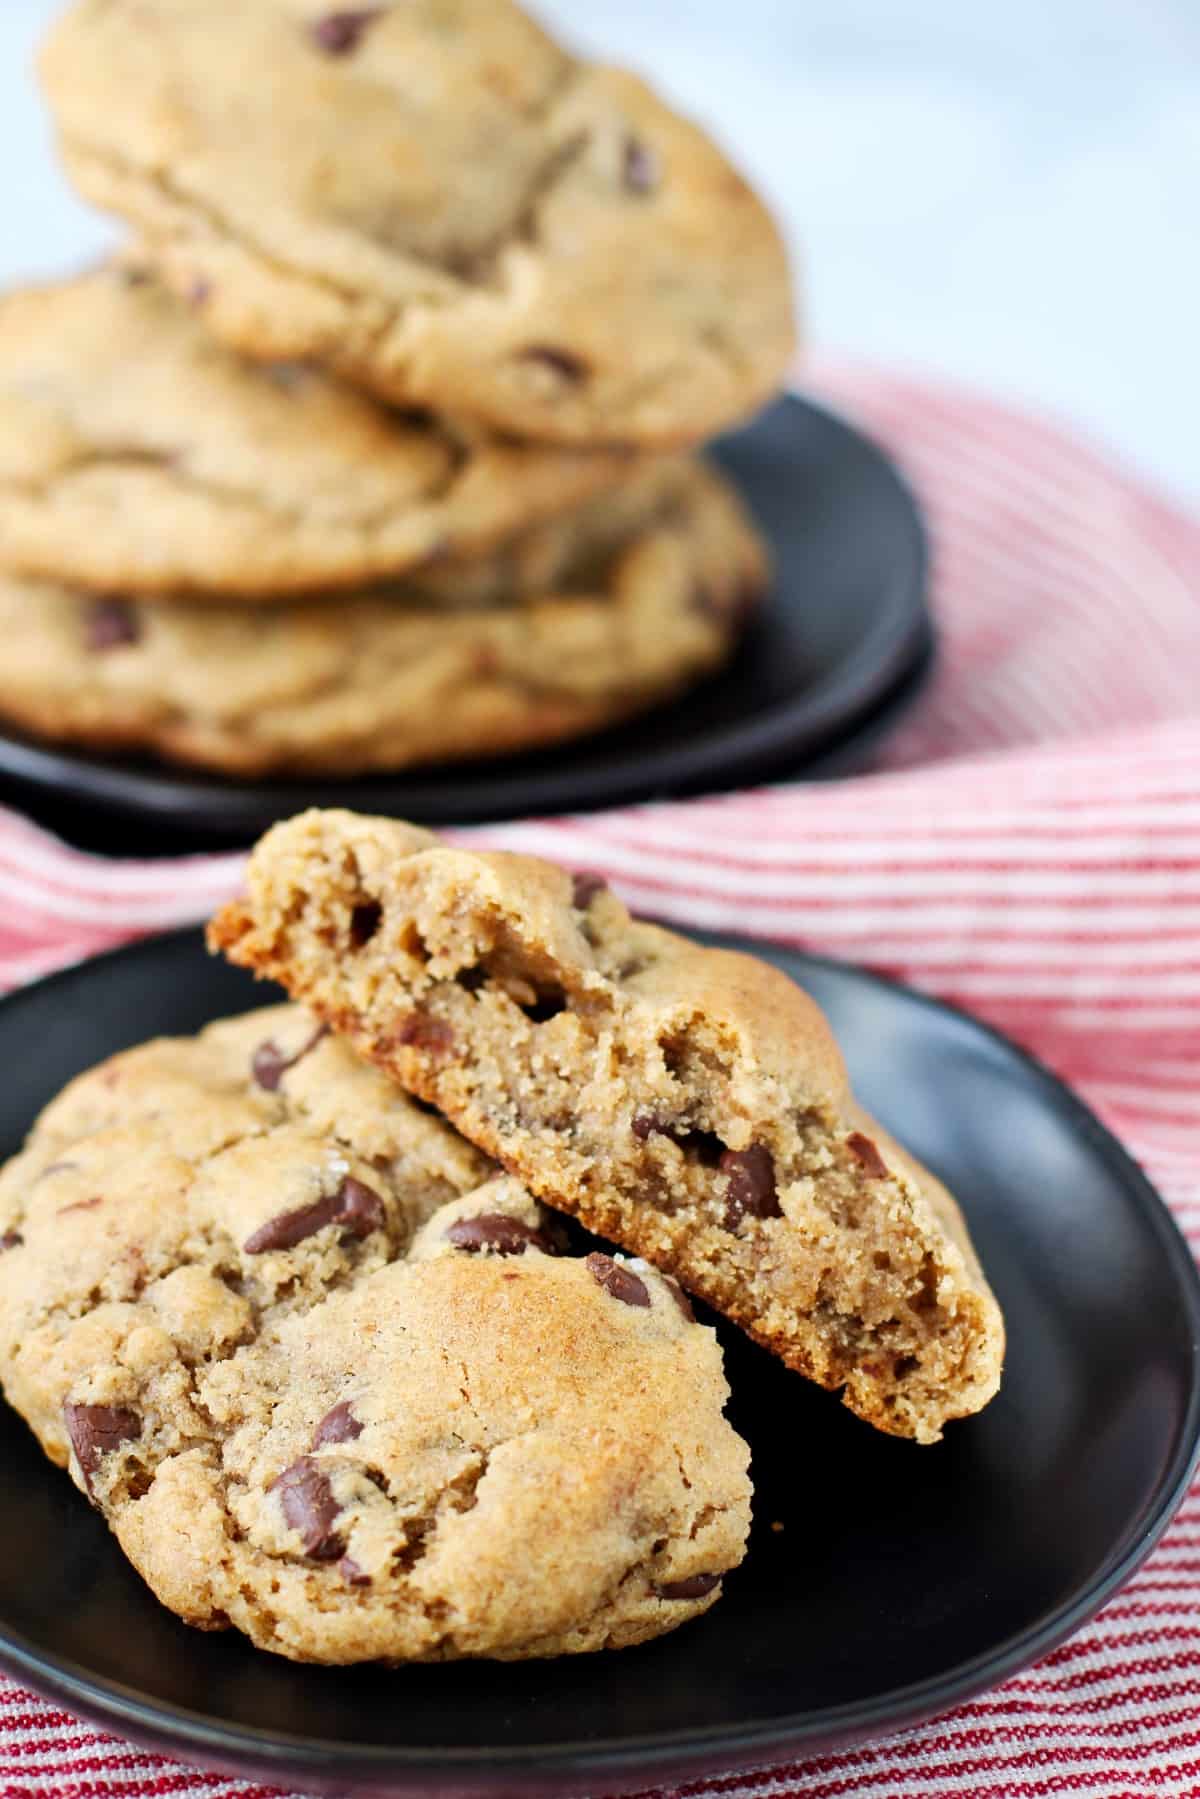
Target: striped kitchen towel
1029,848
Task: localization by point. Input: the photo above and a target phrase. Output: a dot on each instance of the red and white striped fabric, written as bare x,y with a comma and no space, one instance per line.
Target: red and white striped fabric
1031,849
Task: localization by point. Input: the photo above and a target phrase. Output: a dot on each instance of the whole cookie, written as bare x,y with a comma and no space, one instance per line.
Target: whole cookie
136,453
329,1382
436,198
387,682
688,1103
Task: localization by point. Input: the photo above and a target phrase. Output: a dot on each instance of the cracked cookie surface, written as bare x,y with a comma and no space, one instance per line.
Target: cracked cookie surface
437,198
419,676
688,1103
327,1379
136,453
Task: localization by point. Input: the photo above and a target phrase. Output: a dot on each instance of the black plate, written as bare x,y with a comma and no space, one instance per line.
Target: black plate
846,629
904,1579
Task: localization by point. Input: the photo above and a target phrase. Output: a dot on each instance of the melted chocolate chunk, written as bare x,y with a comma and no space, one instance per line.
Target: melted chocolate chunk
352,1574
308,1505
694,1587
268,1064
365,920
621,1282
96,1430
421,1031
584,889
356,1207
339,1425
864,1150
639,167
111,625
751,1189
561,362
339,33
11,1240
496,1231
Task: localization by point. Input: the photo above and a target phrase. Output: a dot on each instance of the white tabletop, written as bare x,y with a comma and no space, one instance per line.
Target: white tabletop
1008,194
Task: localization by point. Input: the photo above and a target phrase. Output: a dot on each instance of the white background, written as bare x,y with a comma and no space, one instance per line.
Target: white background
1008,193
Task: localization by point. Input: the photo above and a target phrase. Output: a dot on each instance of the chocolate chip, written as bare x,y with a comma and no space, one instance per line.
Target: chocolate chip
705,1145
356,1207
338,33
695,1586
96,1430
640,167
421,1031
111,625
679,1296
268,1064
352,1574
584,890
133,276
11,1240
560,362
471,979
337,1426
649,1124
864,1151
364,922
621,1282
751,1190
496,1231
309,1506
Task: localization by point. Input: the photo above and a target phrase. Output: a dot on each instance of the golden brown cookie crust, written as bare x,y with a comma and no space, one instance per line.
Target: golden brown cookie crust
441,202
368,683
331,1382
686,1103
137,454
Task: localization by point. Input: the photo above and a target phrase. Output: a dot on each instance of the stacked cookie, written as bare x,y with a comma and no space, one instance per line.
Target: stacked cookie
372,453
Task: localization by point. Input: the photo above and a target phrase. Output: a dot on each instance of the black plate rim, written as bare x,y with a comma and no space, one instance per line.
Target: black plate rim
186,1734
787,734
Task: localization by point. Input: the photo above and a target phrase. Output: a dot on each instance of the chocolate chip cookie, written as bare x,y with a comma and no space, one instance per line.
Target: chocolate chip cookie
687,1103
327,1378
136,453
437,199
388,682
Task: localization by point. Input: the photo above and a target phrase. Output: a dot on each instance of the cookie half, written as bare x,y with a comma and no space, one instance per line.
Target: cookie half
437,199
359,683
689,1104
137,454
327,1378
